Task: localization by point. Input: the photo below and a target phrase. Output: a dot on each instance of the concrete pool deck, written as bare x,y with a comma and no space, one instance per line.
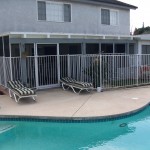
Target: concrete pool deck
59,103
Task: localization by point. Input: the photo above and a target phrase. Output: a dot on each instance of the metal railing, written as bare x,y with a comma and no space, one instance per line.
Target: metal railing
107,71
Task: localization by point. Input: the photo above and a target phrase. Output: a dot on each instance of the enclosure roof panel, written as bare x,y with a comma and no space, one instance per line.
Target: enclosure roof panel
44,35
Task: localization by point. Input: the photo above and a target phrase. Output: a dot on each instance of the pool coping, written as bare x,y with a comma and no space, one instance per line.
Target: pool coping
73,119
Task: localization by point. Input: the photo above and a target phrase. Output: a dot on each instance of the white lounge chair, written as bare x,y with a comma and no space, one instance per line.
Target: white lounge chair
18,90
73,84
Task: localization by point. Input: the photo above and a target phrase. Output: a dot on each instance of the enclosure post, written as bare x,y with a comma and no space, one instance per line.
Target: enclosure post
58,63
4,63
11,74
23,63
1,70
36,65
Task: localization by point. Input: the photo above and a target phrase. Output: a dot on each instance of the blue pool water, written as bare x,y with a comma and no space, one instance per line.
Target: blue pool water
132,133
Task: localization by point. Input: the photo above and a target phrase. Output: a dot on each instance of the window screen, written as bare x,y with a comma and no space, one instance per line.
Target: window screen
6,46
41,10
105,16
1,46
67,13
145,49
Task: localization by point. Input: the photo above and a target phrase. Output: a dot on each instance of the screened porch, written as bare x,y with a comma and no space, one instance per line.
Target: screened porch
40,61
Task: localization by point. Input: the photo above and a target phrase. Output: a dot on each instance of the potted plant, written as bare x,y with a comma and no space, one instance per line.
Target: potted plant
24,54
97,72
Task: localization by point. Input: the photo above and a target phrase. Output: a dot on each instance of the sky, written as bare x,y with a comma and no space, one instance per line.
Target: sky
140,15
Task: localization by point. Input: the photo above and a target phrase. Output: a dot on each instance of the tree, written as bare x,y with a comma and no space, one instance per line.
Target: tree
143,30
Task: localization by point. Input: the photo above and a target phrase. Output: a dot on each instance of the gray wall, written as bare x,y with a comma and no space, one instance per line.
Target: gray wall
21,16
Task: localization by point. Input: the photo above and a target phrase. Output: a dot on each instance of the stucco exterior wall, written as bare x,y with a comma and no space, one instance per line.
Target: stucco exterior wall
21,16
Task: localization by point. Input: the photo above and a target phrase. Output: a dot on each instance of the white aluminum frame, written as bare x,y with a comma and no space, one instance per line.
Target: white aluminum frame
72,35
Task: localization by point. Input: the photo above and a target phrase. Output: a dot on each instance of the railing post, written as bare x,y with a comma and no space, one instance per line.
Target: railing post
11,75
100,62
81,68
113,68
68,61
4,67
137,82
36,71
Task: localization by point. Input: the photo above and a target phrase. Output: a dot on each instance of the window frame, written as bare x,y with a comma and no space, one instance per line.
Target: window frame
114,10
63,3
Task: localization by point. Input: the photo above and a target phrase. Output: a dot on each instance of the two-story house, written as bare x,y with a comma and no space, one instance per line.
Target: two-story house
78,26
38,28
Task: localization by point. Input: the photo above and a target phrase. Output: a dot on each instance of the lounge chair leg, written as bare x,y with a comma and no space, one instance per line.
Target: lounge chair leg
34,98
16,98
87,90
80,91
64,87
73,89
10,93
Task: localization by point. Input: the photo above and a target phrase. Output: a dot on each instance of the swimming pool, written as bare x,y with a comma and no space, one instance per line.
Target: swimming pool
132,133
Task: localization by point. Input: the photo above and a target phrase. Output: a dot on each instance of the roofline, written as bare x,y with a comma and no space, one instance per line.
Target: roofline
120,4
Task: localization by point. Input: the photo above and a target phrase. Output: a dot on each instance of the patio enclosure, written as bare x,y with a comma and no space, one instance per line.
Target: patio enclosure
107,71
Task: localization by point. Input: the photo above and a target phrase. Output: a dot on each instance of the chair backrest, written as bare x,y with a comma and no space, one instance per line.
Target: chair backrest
15,84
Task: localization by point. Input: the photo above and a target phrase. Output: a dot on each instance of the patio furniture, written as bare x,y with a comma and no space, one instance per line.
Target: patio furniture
18,90
73,84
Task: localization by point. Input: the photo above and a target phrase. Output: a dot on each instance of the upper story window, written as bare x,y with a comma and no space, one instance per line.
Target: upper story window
109,17
51,11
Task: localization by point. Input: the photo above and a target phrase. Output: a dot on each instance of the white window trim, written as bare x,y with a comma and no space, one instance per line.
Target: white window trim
54,3
118,22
